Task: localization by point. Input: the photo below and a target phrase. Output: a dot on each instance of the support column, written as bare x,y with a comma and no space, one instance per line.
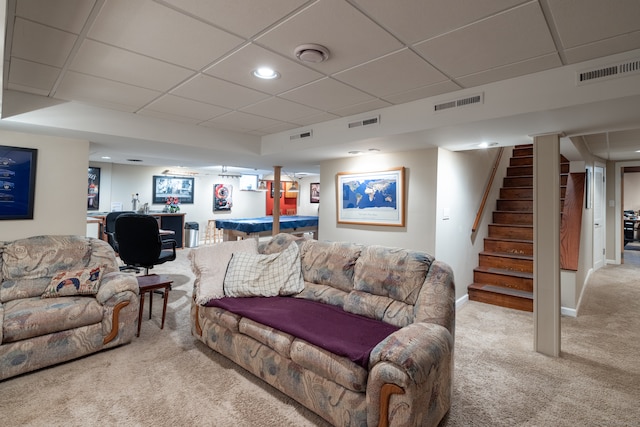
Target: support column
546,244
276,200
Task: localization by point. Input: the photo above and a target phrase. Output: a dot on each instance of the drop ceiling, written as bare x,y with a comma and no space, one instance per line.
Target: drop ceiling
184,68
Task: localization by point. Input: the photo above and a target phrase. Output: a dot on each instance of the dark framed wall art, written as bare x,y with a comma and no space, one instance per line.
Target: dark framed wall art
172,186
17,182
314,192
93,190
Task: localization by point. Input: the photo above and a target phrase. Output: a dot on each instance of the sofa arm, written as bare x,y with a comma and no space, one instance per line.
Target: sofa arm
419,360
115,282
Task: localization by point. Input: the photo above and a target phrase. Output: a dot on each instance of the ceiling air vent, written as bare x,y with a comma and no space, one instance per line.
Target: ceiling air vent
301,135
608,72
365,122
462,102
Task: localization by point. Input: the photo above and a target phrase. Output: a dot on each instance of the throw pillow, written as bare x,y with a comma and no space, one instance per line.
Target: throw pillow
264,275
78,282
209,263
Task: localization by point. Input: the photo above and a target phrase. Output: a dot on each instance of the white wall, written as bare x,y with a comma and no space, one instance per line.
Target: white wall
61,186
631,191
462,179
420,193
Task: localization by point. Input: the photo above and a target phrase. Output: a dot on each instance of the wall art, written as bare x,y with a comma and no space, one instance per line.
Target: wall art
371,198
17,182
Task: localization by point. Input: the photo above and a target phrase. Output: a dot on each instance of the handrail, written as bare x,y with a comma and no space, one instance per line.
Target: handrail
486,190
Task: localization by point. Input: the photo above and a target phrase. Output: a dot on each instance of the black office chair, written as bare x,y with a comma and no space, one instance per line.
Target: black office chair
140,243
110,231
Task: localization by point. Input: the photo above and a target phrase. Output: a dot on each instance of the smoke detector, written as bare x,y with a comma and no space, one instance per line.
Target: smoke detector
313,53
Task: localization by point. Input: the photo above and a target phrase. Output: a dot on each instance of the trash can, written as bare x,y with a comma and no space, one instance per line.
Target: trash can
191,231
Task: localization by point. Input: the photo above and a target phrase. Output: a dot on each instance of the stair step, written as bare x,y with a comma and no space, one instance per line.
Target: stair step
506,261
521,151
527,181
516,192
513,217
523,247
515,231
503,297
521,280
521,161
518,205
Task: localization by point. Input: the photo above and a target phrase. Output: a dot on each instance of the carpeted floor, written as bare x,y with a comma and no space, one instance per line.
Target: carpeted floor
167,378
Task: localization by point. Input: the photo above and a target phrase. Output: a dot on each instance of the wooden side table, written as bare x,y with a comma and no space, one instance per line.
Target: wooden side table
149,284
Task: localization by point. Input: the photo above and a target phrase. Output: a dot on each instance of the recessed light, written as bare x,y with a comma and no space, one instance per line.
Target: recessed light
487,144
266,73
355,152
106,157
134,160
373,150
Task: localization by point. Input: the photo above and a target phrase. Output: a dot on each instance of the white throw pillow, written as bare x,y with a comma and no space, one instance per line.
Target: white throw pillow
264,275
209,263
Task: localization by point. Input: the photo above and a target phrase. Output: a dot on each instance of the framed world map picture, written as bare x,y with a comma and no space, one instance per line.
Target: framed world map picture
371,198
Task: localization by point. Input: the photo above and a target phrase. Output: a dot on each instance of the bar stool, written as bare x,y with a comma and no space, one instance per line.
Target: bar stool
212,234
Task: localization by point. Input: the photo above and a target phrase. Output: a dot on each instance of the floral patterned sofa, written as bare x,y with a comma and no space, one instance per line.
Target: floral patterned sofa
61,297
406,380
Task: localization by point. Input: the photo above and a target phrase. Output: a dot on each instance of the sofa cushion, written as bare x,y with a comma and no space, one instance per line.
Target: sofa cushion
272,338
328,365
264,275
75,282
378,307
209,263
329,327
32,317
279,243
28,264
391,272
329,263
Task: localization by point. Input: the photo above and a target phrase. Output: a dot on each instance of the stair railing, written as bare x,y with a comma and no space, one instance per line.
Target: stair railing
487,190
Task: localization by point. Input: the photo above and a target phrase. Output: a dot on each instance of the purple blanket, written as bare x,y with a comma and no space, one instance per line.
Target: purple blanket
324,325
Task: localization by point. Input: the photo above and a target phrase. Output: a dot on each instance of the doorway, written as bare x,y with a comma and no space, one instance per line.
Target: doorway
599,256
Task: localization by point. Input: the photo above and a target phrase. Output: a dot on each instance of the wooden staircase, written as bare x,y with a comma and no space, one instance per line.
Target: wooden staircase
504,275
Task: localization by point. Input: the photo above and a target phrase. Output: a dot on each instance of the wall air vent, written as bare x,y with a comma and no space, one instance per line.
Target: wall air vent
301,135
365,122
608,72
462,102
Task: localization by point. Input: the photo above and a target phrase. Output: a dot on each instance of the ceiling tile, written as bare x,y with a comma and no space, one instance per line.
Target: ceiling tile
244,17
363,107
316,118
175,105
239,66
68,15
167,116
238,120
580,22
512,70
509,37
110,62
38,77
327,94
413,21
351,37
107,93
602,48
215,91
149,28
422,92
37,43
280,109
398,72
280,127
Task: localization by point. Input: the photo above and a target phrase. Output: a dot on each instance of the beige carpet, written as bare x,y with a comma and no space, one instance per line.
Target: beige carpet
167,378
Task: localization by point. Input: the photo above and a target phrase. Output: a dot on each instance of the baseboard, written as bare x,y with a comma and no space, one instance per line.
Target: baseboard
462,301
